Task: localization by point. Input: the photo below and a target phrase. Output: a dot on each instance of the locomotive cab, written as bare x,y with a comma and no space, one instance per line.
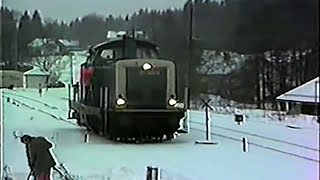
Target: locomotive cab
131,92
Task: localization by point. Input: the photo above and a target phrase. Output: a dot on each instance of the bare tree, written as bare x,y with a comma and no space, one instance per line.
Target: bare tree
52,64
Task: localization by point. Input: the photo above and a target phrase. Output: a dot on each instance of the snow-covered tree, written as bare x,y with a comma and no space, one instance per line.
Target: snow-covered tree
53,65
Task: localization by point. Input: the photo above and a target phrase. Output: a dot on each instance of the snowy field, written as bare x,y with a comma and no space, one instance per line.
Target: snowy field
276,151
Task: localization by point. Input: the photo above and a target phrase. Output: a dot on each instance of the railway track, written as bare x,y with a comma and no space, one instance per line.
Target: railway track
261,145
32,99
54,115
260,136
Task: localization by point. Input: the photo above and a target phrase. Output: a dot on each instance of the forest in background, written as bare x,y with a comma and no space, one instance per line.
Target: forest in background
286,30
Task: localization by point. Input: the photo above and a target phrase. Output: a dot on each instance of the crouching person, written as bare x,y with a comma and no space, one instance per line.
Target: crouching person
40,157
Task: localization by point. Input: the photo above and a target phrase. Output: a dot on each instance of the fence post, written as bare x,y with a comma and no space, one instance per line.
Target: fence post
245,144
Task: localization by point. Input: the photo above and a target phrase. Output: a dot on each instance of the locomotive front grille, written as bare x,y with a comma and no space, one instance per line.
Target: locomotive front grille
146,89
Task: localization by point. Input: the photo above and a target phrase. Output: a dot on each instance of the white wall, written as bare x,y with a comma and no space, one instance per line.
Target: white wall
33,81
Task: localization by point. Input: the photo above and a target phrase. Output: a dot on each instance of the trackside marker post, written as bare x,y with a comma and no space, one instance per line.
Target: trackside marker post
245,144
86,137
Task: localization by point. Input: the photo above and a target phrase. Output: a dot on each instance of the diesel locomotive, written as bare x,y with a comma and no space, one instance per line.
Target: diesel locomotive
127,92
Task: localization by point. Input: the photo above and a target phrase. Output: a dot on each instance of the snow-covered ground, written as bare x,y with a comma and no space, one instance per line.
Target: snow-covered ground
276,151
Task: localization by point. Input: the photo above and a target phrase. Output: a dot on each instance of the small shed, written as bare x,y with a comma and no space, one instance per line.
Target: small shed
34,77
307,95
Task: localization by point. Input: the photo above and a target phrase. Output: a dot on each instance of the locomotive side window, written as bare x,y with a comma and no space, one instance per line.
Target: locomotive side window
107,54
114,53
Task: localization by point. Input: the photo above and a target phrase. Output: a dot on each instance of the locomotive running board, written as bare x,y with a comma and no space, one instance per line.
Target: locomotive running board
182,131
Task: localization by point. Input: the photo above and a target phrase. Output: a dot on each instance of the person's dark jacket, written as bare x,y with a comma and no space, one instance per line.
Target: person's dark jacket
40,158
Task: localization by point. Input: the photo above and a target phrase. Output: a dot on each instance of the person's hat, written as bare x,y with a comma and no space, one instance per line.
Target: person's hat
25,137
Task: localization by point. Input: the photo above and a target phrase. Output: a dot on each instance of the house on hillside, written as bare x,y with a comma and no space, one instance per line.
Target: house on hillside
43,46
116,35
68,45
46,46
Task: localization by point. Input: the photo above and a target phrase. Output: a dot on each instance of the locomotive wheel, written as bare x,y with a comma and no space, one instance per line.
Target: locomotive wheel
160,138
75,115
169,136
93,124
79,123
88,129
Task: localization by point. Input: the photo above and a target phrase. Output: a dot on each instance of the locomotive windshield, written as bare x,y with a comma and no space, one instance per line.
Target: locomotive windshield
117,53
146,53
126,48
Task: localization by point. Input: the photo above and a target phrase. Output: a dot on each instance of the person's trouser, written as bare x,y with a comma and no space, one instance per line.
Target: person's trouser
43,177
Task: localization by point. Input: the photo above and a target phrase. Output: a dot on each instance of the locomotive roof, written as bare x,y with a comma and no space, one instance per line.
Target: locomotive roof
120,43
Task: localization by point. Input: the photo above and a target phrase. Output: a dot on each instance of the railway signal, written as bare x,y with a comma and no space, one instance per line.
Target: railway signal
153,173
239,118
208,124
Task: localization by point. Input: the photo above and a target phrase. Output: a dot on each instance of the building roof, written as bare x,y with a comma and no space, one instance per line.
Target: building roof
36,71
68,43
308,93
38,42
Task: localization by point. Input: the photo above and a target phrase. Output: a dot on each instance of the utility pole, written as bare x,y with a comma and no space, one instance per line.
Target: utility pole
15,58
71,55
190,48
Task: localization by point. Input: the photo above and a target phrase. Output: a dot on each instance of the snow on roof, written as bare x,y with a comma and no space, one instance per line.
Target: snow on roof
111,34
36,71
308,92
38,42
121,33
68,43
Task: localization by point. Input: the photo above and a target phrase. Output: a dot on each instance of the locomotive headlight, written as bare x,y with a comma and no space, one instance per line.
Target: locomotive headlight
146,66
172,102
120,101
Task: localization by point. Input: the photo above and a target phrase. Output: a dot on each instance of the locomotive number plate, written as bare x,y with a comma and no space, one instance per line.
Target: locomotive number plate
151,73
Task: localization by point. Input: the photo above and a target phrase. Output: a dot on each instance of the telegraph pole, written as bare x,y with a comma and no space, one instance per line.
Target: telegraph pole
190,48
70,85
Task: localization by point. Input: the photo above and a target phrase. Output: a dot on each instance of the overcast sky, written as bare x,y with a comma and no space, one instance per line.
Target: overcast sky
68,10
